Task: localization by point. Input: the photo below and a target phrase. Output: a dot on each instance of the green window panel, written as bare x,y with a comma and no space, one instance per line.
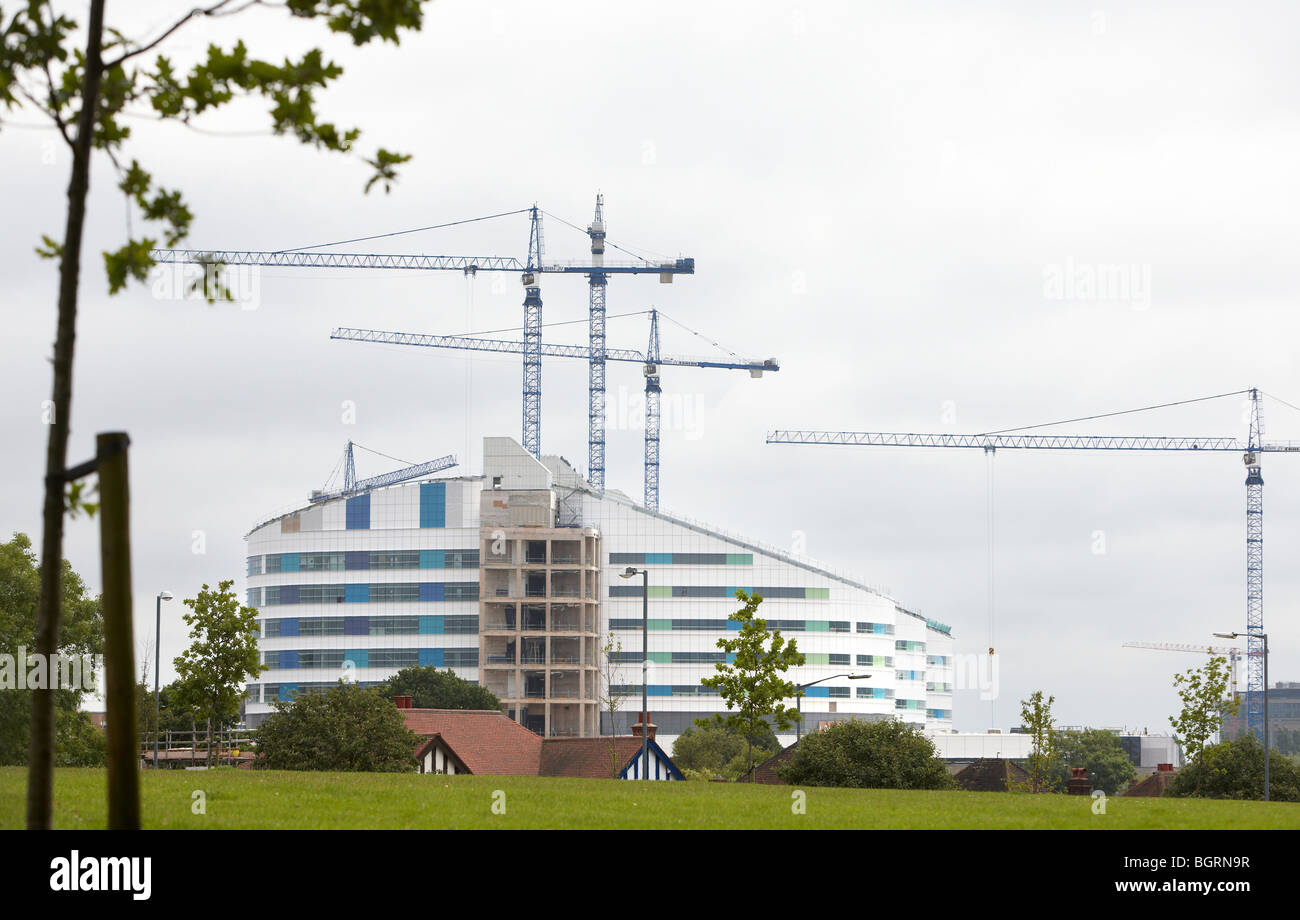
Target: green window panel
661,591
817,626
817,594
817,657
661,657
659,624
740,558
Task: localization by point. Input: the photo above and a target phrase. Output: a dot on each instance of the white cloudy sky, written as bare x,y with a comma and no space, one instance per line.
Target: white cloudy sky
874,194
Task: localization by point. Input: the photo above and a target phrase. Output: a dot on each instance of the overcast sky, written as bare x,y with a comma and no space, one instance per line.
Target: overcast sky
902,202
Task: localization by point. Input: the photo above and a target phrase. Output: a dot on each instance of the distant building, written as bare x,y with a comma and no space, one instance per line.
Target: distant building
1283,711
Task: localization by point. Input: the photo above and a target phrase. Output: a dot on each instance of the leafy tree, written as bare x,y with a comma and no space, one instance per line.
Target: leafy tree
1100,753
430,688
348,728
1206,705
716,749
885,754
752,685
1044,760
1235,770
82,635
85,92
610,701
172,717
222,654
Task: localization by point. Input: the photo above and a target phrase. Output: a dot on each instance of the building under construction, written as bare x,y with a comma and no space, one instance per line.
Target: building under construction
512,579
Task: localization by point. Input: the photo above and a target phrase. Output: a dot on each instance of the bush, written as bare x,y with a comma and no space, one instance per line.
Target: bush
887,754
713,749
430,688
1100,753
348,729
1235,770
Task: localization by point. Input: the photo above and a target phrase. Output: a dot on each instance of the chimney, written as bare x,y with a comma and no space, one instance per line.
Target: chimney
402,702
636,729
1078,783
1164,768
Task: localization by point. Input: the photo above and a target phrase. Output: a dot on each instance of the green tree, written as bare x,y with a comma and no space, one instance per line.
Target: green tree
78,742
1206,705
222,654
1100,753
347,729
884,754
751,684
1235,770
430,688
85,91
1044,761
715,749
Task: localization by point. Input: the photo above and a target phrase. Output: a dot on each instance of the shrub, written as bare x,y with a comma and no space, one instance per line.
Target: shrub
345,729
888,754
1235,770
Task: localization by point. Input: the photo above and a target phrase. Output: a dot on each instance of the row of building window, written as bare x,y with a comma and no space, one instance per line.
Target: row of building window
625,690
681,558
667,591
363,560
341,659
429,625
404,592
938,659
671,657
433,508
834,693
717,624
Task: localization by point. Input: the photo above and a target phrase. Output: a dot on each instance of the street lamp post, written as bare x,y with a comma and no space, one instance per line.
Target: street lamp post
1263,636
157,661
798,726
645,666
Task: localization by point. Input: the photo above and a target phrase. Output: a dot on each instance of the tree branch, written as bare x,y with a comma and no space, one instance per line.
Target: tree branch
197,12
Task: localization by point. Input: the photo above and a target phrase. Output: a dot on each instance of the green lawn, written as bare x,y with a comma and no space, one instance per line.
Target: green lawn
257,799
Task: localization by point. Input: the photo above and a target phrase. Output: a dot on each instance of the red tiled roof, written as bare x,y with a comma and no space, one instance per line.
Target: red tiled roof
589,758
486,741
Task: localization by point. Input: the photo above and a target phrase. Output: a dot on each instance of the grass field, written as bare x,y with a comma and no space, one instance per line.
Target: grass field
257,799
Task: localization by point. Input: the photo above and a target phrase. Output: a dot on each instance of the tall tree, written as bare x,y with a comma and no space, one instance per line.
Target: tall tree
751,683
1206,705
83,635
1045,754
222,654
84,85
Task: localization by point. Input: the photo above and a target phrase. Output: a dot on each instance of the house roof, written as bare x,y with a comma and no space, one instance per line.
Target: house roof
486,741
765,772
432,741
595,758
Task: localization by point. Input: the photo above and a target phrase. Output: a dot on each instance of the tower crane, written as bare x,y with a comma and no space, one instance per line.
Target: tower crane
597,270
1252,450
351,485
1230,652
651,360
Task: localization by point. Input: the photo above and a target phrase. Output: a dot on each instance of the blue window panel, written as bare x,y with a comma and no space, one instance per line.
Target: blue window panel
289,658
733,625
658,558
431,657
356,594
356,626
731,657
288,690
288,594
288,562
356,560
433,504
817,691
433,559
289,626
357,514
431,626
360,657
431,591
660,690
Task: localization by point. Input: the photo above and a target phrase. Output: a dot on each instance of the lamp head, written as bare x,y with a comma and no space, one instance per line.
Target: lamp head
629,572
164,595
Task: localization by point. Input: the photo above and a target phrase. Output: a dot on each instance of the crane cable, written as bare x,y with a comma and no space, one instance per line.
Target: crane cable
380,236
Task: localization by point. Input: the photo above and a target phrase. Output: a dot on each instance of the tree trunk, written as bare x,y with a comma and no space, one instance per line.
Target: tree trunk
40,774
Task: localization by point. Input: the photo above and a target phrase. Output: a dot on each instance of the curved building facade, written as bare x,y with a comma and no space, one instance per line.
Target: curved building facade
512,580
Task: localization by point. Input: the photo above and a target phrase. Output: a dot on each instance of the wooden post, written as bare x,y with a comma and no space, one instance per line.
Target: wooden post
119,642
